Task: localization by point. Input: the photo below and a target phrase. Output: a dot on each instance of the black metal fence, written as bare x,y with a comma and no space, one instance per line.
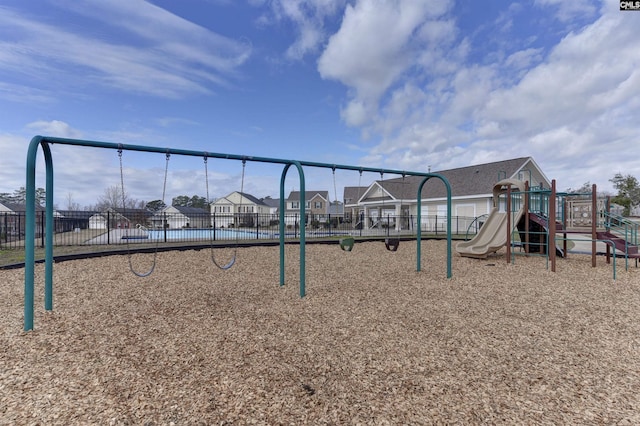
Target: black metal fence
82,228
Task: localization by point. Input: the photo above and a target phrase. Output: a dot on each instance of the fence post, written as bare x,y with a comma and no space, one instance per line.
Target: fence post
257,226
164,225
108,228
42,229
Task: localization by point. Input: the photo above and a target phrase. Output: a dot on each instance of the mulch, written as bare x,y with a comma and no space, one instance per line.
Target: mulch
373,342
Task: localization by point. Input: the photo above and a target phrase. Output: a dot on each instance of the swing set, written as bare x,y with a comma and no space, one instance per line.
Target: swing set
45,143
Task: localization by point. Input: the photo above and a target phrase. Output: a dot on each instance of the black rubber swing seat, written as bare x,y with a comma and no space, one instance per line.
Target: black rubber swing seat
346,243
392,244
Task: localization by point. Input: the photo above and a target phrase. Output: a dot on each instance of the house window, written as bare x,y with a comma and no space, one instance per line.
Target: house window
295,204
317,205
308,205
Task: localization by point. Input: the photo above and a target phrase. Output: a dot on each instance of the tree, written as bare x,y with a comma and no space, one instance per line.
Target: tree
114,198
185,201
586,188
72,205
180,201
156,205
628,192
19,196
200,202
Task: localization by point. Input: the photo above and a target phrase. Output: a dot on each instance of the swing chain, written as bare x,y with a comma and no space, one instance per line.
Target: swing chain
235,251
124,207
335,189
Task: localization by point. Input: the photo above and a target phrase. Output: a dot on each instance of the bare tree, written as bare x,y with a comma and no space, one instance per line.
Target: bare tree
72,205
114,198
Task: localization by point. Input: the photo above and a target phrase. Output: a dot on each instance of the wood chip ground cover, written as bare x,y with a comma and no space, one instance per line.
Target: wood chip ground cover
373,342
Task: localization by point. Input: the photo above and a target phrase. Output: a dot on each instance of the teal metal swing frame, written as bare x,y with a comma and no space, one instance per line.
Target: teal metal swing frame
45,141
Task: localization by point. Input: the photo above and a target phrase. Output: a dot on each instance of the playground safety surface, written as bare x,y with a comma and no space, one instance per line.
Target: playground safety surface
373,342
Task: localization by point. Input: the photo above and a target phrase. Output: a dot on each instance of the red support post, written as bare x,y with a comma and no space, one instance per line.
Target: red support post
594,220
509,223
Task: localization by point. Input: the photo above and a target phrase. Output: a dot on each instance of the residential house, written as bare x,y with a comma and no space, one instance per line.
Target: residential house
70,220
13,220
116,218
272,203
316,206
181,217
383,201
240,209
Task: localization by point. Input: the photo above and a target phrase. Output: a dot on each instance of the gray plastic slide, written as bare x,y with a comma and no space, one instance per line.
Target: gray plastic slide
493,234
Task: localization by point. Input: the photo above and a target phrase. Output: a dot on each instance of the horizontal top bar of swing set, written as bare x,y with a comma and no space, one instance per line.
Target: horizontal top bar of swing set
142,148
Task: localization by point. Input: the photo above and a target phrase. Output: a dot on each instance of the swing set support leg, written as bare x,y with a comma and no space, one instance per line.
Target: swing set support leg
303,220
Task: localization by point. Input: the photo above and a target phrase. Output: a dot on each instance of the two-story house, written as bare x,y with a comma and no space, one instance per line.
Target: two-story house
240,209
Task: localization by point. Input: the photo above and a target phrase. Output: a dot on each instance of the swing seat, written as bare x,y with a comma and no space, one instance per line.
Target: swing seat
391,243
346,243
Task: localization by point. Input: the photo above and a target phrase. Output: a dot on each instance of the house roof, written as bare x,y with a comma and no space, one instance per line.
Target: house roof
253,199
190,211
295,195
351,194
464,181
131,212
20,207
76,214
271,202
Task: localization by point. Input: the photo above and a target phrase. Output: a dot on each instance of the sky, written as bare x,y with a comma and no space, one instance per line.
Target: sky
401,84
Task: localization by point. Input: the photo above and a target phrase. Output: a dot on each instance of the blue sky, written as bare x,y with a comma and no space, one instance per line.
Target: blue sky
397,84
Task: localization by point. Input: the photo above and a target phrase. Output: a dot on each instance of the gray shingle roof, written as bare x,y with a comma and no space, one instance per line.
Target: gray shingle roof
352,193
295,195
271,202
19,207
253,199
190,211
464,181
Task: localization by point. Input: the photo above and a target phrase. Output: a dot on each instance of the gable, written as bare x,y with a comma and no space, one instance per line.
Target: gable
238,198
308,195
376,192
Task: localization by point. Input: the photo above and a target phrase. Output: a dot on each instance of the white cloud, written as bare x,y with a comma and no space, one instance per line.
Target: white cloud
24,94
576,102
355,113
12,172
309,18
568,10
370,61
366,58
54,128
168,56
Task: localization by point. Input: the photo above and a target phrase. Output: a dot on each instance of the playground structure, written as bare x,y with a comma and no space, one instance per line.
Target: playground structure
572,214
493,235
44,142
